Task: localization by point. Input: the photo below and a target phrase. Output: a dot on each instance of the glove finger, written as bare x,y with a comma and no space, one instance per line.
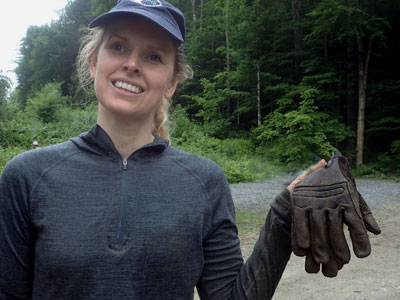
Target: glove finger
319,236
301,240
369,220
311,265
338,243
331,268
358,233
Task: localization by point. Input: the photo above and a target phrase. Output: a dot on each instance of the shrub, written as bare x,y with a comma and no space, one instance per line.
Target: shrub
46,103
7,154
296,136
236,156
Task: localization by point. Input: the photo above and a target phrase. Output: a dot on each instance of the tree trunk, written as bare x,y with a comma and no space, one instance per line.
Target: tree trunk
350,106
194,15
258,96
201,14
362,95
228,64
237,110
297,36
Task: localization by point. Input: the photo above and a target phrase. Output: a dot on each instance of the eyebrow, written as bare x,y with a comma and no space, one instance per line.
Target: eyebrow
113,34
151,47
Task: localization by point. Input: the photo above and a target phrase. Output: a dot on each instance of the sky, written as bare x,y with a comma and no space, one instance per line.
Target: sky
15,18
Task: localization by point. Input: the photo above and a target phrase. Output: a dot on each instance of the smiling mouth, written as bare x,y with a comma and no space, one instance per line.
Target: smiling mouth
128,87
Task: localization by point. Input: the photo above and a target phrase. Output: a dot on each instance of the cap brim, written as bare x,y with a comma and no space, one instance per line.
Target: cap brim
167,26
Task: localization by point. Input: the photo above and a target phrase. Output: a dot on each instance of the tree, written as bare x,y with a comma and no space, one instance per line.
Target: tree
253,60
46,103
5,86
356,20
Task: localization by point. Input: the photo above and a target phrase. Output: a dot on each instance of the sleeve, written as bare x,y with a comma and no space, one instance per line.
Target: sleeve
263,270
16,234
224,274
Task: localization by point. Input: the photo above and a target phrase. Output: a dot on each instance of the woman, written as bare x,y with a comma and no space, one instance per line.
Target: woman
116,213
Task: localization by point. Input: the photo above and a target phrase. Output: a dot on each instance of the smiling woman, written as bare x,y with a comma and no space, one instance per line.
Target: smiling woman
118,213
134,53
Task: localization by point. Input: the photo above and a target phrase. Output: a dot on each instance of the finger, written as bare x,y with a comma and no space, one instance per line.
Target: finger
311,265
331,268
358,233
319,236
370,224
369,220
337,239
301,239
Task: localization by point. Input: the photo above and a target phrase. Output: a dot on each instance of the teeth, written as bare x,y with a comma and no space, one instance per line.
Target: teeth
129,87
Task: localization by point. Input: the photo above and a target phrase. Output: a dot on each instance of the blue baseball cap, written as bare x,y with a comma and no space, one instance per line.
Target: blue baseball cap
160,12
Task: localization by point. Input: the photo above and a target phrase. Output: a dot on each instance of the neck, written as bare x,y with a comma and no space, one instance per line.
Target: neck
127,137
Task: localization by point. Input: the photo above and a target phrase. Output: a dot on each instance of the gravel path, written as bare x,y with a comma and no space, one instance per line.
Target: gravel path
257,196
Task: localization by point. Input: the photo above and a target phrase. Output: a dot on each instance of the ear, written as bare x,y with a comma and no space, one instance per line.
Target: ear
93,66
172,87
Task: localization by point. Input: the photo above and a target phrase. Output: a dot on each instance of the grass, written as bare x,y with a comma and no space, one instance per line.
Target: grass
7,154
373,172
248,222
249,226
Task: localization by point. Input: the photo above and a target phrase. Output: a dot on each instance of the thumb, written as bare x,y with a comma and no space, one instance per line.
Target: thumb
370,223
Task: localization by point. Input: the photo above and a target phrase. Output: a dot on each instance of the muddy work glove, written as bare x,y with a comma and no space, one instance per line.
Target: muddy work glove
321,203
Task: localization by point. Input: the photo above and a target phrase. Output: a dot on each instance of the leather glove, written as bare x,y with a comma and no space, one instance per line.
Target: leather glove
321,204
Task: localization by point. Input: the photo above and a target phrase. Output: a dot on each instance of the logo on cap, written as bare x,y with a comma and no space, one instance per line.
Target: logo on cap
148,2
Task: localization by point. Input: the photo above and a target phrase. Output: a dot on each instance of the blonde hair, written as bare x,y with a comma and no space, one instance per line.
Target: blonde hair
90,45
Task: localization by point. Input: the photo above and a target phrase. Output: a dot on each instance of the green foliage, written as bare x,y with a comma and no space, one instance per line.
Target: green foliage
5,85
389,162
308,95
46,118
46,103
249,222
236,156
296,136
7,154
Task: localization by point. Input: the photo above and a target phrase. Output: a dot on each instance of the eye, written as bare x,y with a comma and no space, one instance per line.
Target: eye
117,47
154,58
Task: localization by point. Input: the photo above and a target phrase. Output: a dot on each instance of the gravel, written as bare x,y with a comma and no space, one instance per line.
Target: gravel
257,196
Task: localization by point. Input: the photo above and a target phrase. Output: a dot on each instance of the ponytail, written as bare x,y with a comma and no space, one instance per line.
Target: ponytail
160,119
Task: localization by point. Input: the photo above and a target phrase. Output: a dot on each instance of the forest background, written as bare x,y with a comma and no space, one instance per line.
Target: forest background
277,84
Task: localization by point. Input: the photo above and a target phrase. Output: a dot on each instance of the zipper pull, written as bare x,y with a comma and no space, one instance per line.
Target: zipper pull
124,164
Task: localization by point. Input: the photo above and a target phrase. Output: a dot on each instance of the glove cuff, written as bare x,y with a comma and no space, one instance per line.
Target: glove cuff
282,206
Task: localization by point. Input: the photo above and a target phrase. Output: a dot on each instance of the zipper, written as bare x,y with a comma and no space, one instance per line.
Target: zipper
124,164
122,210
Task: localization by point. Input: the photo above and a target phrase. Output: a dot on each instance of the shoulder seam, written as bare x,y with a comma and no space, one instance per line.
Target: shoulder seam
45,171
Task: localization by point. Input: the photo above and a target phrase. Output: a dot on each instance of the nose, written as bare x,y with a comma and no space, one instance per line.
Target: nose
132,64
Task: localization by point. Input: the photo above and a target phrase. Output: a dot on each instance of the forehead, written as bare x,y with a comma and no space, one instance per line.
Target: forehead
139,27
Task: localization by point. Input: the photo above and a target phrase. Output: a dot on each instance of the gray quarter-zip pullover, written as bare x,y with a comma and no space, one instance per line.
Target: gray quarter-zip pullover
79,222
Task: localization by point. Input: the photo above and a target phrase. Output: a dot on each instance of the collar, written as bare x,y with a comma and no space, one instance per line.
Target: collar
97,141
